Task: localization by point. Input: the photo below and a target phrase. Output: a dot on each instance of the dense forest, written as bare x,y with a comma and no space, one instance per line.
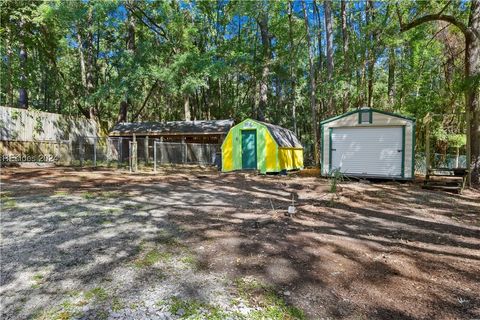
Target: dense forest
292,63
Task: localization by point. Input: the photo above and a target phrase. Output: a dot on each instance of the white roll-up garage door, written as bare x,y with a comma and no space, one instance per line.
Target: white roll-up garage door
369,151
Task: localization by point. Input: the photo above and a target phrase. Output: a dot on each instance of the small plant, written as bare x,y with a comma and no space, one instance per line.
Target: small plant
193,309
190,261
112,210
37,281
268,304
6,200
88,195
61,193
130,206
151,258
98,293
336,176
117,305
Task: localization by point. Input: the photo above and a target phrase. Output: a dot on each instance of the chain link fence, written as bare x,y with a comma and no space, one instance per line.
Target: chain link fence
186,153
119,152
439,160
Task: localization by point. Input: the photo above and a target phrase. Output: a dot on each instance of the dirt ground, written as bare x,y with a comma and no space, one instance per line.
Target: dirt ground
370,251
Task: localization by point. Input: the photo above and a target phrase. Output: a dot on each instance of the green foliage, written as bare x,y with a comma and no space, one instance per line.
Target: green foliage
193,309
152,257
211,52
457,140
98,294
269,305
336,176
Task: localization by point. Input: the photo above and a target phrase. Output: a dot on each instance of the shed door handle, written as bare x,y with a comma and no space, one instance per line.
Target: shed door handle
399,150
334,149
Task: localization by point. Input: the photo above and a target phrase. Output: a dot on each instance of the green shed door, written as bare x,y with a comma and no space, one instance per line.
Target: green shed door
249,149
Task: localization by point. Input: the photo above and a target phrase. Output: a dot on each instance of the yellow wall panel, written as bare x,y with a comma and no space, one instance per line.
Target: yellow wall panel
227,153
271,161
290,158
298,158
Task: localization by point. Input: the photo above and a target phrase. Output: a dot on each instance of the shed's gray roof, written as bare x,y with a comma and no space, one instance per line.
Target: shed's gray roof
173,127
284,137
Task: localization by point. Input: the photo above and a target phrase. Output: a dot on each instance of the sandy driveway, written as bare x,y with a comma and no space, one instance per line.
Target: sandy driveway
104,244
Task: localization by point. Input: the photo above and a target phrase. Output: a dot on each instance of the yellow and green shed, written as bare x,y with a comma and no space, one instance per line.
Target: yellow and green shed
257,145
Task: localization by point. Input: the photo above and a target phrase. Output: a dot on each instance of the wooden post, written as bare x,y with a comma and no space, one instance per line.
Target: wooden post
184,153
427,143
155,155
145,145
95,152
81,151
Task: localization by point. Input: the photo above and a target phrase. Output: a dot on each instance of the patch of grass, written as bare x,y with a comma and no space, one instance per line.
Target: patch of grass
38,280
102,315
194,309
165,237
109,194
131,206
245,286
7,201
60,193
189,260
98,294
269,304
274,307
117,305
89,195
74,293
161,303
63,312
112,211
152,257
100,195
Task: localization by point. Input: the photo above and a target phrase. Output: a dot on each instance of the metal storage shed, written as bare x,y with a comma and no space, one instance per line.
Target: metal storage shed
369,143
261,146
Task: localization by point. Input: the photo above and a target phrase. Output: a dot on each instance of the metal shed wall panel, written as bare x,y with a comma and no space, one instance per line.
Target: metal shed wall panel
369,151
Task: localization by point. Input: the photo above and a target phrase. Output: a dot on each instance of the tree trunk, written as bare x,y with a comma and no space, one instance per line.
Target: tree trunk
292,73
83,72
319,39
313,104
130,46
122,114
329,30
391,76
263,87
370,56
346,94
472,73
9,90
130,42
22,91
90,63
186,107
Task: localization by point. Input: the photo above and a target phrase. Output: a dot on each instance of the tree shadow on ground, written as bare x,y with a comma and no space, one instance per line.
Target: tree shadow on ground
344,259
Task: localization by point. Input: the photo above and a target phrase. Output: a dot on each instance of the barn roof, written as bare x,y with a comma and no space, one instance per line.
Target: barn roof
172,127
284,137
